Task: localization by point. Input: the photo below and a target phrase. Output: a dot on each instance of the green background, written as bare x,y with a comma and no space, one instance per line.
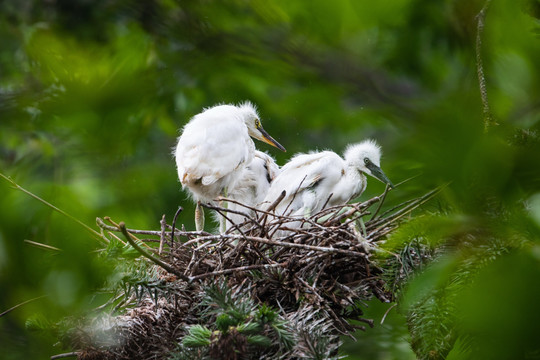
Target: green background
93,94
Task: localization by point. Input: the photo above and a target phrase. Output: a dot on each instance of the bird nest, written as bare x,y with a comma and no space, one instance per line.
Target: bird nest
310,283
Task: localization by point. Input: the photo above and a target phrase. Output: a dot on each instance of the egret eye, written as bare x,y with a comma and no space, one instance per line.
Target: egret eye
257,123
366,161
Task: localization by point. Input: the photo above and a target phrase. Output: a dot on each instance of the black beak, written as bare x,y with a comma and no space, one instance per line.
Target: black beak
378,174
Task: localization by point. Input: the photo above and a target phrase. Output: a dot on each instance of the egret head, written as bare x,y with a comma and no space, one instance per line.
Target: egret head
255,130
366,157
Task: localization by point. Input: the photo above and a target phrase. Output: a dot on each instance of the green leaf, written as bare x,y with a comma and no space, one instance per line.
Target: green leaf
37,322
198,336
428,281
250,327
224,322
266,314
285,335
259,340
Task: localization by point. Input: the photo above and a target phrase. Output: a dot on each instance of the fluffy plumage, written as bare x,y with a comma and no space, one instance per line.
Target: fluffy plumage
252,185
215,147
318,178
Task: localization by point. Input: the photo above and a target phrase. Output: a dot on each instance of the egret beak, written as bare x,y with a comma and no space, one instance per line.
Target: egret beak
378,174
269,140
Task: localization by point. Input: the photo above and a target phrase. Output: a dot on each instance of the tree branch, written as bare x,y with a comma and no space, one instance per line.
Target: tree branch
157,261
65,355
488,118
241,268
21,304
284,244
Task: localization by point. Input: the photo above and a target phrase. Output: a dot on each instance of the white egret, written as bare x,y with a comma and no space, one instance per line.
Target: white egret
318,179
252,186
214,148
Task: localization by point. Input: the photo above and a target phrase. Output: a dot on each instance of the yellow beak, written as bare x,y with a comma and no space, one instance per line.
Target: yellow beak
270,140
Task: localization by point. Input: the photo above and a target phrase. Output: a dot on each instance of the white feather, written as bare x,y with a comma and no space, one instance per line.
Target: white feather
215,147
318,179
252,185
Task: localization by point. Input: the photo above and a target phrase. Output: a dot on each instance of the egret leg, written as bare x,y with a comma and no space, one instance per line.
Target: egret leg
360,222
199,217
307,214
222,220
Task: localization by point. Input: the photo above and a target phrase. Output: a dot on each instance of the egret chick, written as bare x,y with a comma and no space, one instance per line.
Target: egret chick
252,186
319,179
214,148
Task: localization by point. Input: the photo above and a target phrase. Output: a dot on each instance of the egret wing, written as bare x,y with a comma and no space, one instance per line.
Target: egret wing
209,153
303,173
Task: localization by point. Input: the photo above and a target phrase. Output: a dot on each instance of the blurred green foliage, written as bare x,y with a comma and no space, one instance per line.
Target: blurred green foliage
92,94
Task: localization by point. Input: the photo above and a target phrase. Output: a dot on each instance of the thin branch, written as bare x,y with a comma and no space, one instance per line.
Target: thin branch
294,195
336,209
383,197
97,235
65,355
131,235
116,237
229,200
406,210
406,180
371,222
180,209
327,200
387,311
21,304
221,211
163,225
157,261
346,214
271,208
238,269
277,201
41,246
284,244
177,232
406,207
488,118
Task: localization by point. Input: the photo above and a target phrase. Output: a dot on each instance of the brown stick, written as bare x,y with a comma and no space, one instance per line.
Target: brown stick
157,261
163,224
411,205
65,355
180,209
21,304
284,244
177,232
241,268
42,246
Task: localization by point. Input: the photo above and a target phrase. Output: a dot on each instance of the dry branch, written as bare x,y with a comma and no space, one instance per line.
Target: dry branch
319,273
157,261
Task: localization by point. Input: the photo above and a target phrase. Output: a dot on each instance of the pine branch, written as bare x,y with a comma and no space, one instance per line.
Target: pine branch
481,17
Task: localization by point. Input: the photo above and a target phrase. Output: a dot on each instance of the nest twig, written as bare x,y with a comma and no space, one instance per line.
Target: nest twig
321,270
